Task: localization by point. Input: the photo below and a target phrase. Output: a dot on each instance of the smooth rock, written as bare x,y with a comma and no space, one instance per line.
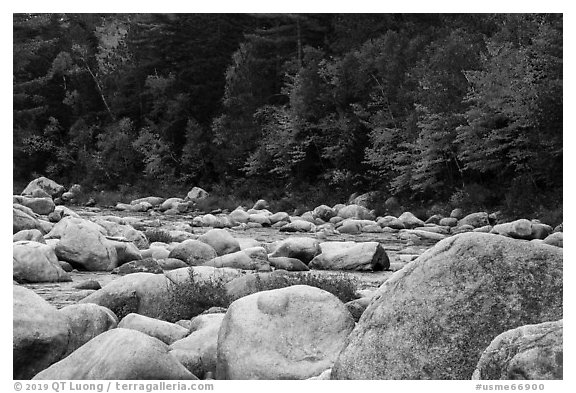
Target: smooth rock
289,333
434,318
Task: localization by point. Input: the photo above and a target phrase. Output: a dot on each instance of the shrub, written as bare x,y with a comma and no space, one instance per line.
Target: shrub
193,296
158,235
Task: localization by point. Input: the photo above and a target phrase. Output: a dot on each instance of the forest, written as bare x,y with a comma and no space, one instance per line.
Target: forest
434,109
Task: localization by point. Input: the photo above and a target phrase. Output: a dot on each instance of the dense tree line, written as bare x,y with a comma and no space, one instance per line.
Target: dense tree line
424,107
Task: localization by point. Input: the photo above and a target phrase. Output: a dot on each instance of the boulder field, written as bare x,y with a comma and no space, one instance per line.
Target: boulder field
159,290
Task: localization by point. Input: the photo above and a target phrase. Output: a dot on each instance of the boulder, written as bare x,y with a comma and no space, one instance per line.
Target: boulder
88,284
523,229
164,331
83,245
40,333
448,222
148,265
434,318
118,354
196,194
457,213
298,226
221,241
391,222
23,221
365,256
352,227
434,219
171,203
42,206
260,218
302,248
324,212
155,252
260,204
476,220
48,186
410,220
36,262
86,321
239,216
355,211
289,333
526,352
555,239
279,217
238,260
64,211
126,251
197,352
29,234
193,252
288,264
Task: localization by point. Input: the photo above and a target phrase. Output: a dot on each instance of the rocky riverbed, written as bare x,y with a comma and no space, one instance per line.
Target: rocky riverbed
156,289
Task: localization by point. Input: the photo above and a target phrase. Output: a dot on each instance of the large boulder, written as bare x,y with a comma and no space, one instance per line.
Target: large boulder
197,351
365,256
40,333
164,331
289,333
36,262
527,352
86,321
82,244
48,186
221,241
42,206
434,318
355,211
302,248
118,354
193,252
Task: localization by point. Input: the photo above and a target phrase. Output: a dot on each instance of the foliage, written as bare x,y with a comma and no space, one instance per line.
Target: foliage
420,106
158,235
